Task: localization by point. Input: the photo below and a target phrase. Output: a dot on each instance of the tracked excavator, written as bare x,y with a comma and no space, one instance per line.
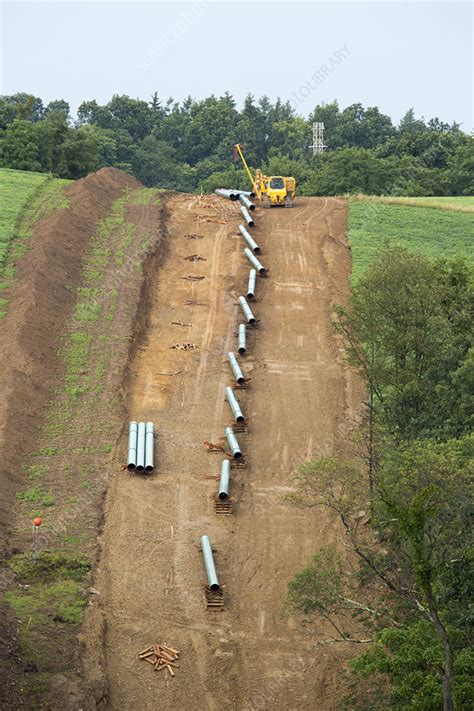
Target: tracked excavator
274,190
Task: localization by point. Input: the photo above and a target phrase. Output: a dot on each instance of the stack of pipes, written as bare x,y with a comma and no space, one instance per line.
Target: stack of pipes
233,194
140,447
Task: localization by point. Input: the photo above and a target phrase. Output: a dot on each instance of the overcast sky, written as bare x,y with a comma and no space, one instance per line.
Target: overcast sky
393,55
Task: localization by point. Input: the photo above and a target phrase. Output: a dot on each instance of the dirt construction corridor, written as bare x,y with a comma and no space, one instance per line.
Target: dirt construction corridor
299,402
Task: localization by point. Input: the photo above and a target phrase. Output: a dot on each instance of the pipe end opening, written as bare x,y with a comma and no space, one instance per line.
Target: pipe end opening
251,223
240,419
241,381
214,587
149,469
140,468
257,250
252,321
250,295
238,454
242,351
222,495
131,467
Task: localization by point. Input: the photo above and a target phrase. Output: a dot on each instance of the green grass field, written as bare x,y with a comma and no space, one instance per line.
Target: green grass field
24,198
435,233
454,204
17,188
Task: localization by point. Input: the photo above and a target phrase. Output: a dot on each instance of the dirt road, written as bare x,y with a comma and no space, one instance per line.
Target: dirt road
300,400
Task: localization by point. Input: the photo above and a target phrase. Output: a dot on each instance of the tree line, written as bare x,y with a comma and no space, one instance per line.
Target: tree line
403,583
188,145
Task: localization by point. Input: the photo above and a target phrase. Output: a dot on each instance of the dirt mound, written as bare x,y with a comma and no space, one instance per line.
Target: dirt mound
41,301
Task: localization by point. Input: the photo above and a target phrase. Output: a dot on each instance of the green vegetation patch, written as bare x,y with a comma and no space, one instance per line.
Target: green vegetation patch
146,196
17,189
25,198
36,495
434,233
50,593
463,203
49,567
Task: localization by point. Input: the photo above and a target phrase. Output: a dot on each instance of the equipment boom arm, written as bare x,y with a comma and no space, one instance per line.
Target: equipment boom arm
254,184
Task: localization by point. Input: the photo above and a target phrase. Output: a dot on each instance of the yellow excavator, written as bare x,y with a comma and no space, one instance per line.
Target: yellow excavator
274,190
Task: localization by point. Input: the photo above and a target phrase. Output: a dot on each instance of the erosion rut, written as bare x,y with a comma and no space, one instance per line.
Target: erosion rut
299,402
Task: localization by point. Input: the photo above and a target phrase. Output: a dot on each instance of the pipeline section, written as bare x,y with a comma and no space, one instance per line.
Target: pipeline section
209,563
229,194
251,284
254,261
234,405
132,446
232,442
245,201
247,311
246,216
224,482
242,339
149,438
249,239
141,447
238,375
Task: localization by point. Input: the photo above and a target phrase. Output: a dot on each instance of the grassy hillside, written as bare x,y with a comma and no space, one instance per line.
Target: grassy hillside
24,198
436,233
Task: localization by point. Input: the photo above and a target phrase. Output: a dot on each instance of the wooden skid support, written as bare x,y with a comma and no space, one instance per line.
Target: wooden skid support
238,464
223,508
214,599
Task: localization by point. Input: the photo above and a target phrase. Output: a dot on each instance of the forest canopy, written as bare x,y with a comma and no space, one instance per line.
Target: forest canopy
188,145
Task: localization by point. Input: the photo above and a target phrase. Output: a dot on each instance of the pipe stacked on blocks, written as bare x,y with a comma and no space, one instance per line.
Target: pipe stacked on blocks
232,442
246,216
234,405
209,564
224,482
246,202
238,375
249,239
242,339
251,284
247,311
254,261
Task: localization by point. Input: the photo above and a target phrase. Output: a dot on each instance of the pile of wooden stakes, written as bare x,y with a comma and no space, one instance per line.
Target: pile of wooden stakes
161,656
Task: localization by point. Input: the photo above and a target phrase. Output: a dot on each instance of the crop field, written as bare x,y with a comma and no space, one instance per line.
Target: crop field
435,233
25,198
463,203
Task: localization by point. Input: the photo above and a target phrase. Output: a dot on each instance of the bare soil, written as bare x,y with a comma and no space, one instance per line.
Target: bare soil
300,401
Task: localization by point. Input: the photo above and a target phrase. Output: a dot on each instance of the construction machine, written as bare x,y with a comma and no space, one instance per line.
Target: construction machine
274,190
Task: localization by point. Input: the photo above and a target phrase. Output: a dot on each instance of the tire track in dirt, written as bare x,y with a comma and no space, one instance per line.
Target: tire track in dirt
249,657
